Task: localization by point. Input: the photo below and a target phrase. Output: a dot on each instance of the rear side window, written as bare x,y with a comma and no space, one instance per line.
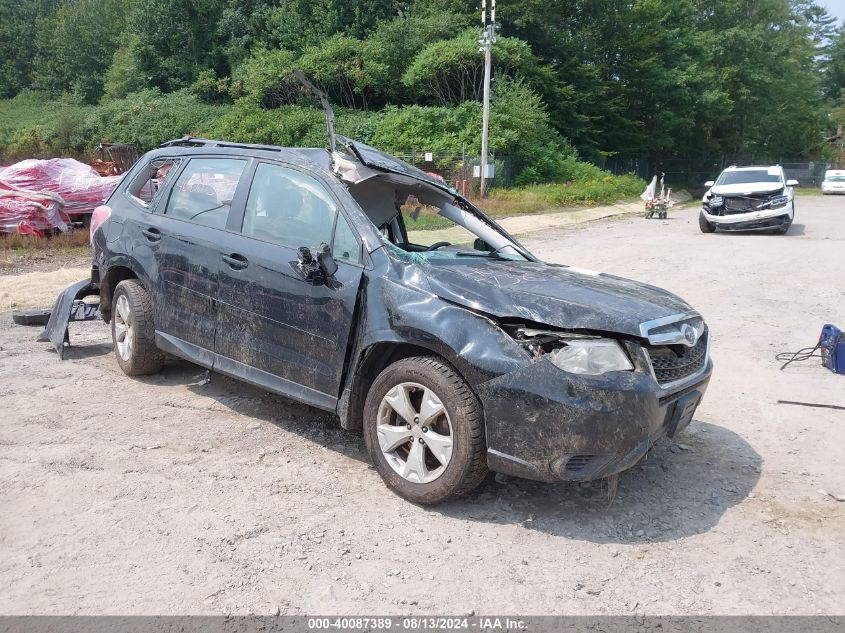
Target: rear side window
289,208
151,179
204,191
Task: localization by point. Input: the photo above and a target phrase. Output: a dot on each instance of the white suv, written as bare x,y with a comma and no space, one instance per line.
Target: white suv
748,199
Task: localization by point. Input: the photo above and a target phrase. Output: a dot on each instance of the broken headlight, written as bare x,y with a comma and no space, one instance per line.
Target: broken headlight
778,202
591,357
716,201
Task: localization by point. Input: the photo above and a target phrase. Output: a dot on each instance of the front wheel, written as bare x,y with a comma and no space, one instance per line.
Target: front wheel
424,431
783,229
704,225
133,330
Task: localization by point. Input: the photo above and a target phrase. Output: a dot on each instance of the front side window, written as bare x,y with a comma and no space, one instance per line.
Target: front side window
345,245
204,191
288,208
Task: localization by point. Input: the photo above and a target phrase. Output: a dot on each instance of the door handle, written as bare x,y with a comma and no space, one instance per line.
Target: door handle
236,261
152,234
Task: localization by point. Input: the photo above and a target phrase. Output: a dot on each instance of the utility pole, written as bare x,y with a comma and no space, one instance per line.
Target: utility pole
489,22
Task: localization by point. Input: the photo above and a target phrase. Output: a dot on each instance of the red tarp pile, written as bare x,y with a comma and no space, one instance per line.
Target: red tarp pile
38,195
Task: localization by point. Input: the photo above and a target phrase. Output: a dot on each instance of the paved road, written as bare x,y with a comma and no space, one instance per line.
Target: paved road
168,495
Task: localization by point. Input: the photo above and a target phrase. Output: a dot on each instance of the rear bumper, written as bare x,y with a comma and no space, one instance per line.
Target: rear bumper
548,425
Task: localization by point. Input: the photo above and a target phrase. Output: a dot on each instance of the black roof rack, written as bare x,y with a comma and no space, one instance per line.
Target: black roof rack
205,142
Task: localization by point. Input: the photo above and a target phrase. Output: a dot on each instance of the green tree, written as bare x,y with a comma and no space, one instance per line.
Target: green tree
75,44
174,40
451,71
296,24
17,43
123,76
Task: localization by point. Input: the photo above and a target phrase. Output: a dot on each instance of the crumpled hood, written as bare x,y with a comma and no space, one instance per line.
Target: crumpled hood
558,296
743,189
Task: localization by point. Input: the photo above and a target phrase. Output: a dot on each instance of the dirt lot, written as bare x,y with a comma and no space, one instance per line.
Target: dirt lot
169,495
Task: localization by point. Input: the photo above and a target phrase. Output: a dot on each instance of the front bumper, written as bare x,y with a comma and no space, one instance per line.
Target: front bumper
549,425
752,220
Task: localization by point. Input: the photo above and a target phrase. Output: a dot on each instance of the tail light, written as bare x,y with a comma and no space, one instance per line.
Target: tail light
100,215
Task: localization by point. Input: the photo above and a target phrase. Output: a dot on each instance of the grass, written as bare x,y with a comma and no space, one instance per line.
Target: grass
808,191
20,251
537,199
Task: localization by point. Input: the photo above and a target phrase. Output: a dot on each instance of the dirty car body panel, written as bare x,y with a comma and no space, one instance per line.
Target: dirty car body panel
234,303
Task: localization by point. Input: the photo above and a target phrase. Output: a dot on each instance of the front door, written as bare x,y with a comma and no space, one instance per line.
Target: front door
275,327
187,234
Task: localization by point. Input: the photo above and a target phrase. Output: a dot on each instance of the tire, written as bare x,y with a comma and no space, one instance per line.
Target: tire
704,225
459,418
133,330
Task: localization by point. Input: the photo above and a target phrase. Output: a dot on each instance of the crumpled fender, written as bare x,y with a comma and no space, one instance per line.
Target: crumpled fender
56,330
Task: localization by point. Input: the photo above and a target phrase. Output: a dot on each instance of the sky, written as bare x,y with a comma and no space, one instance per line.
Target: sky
836,8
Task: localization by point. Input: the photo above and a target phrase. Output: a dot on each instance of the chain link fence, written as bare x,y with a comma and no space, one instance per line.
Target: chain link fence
692,173
459,169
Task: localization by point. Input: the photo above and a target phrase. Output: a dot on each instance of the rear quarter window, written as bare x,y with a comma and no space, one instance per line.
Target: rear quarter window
144,187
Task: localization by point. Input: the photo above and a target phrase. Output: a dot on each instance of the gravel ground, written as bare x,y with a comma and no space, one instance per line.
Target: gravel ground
173,495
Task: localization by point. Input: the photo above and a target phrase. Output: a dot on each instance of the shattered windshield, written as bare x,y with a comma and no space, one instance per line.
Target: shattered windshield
431,223
433,236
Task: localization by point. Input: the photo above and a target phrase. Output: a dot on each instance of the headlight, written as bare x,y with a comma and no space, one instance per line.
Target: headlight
716,201
591,357
780,201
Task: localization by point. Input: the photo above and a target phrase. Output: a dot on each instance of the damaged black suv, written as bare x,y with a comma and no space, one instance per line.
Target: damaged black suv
454,350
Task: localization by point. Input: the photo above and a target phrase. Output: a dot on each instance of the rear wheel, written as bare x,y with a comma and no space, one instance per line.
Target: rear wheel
424,431
133,330
704,225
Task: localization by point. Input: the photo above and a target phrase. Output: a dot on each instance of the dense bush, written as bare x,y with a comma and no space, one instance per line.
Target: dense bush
149,118
33,126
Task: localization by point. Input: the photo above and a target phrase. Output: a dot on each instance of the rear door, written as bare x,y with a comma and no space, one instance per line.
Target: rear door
186,235
276,328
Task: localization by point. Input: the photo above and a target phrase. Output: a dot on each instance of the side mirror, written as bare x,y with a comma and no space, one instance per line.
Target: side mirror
326,262
792,183
306,265
709,183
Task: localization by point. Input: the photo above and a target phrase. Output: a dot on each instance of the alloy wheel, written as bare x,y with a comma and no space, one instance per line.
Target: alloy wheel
414,432
124,324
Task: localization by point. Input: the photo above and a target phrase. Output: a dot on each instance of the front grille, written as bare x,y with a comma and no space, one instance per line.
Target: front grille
734,205
676,362
740,205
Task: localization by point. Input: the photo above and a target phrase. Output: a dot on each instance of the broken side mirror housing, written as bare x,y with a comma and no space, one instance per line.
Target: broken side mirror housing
306,265
327,263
